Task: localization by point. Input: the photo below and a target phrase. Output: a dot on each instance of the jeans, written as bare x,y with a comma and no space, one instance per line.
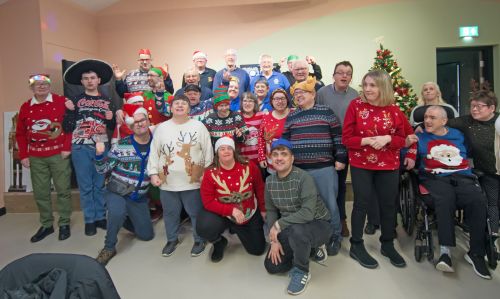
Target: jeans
42,171
90,183
297,241
326,183
138,212
172,203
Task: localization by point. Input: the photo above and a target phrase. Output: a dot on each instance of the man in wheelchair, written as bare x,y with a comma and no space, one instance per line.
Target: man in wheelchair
448,183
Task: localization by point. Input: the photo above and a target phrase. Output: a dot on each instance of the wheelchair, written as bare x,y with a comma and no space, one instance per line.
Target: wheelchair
417,216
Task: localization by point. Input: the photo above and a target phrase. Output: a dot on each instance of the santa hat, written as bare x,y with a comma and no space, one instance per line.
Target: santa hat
131,110
133,97
198,54
144,54
225,140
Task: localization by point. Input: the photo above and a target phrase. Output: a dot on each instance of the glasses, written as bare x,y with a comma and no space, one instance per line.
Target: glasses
299,92
248,101
478,106
41,84
141,121
279,99
153,75
343,74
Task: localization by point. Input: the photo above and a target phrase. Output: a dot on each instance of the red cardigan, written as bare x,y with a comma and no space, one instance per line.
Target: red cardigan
39,130
365,120
240,187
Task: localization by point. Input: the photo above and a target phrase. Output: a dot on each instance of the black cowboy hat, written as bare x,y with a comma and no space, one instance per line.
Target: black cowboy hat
73,75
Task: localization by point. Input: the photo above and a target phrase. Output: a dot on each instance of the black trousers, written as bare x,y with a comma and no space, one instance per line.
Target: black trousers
446,194
210,226
491,186
369,185
297,241
342,176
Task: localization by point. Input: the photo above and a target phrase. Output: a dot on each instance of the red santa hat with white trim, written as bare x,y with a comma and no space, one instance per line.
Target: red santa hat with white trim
133,97
199,54
144,54
131,110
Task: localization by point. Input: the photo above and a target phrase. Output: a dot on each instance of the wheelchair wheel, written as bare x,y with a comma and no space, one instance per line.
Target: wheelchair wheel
418,253
430,247
407,202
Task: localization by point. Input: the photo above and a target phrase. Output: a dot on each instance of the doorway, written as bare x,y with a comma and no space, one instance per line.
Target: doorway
457,68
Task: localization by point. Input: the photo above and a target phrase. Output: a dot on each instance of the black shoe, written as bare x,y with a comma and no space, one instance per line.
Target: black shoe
170,247
333,247
3,211
479,265
389,251
370,229
64,232
359,253
444,264
218,250
101,224
90,229
41,234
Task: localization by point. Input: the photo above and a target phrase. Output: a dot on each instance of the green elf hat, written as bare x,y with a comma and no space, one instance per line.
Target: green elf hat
220,95
292,58
157,71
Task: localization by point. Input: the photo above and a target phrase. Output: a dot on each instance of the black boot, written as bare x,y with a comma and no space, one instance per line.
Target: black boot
359,253
389,251
218,251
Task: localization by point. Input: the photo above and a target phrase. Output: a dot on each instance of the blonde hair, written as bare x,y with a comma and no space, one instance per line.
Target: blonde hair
384,83
421,101
192,71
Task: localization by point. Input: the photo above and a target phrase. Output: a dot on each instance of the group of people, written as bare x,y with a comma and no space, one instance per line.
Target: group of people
236,152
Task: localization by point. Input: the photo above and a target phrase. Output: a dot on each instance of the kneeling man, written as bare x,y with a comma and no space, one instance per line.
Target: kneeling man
127,186
299,218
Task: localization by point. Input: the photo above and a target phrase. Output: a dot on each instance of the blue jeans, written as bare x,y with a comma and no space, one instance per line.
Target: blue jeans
90,183
323,177
118,208
172,203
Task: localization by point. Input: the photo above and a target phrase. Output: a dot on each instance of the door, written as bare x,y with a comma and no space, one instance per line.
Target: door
457,68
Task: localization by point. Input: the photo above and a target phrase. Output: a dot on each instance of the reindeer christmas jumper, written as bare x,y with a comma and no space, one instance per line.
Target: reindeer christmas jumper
179,154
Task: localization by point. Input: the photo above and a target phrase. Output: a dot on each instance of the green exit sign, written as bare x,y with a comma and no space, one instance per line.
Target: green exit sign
469,31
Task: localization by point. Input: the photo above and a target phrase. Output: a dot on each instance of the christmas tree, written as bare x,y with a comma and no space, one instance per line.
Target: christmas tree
406,99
